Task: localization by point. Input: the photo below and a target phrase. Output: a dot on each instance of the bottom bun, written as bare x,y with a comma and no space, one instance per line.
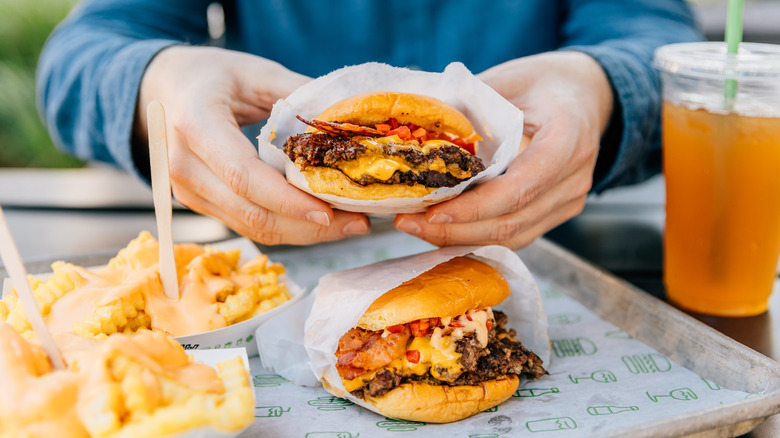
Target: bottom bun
333,182
441,403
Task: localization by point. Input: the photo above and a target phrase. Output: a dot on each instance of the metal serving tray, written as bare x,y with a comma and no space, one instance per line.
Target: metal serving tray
672,333
683,339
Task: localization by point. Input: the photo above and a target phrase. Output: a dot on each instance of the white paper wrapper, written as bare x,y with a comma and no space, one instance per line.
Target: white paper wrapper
341,298
497,121
236,335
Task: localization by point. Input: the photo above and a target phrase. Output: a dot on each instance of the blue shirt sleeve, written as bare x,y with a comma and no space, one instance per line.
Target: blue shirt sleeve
622,36
90,70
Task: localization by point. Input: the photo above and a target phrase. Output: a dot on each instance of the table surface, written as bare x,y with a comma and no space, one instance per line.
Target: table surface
620,231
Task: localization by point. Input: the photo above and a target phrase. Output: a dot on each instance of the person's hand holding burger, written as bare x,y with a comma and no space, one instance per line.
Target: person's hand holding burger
208,94
567,103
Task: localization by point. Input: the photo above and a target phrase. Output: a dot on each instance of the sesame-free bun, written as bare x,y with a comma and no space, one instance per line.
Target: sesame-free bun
427,112
441,403
331,181
448,290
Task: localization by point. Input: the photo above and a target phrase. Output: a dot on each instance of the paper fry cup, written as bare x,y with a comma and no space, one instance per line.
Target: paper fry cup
212,358
240,334
497,121
233,336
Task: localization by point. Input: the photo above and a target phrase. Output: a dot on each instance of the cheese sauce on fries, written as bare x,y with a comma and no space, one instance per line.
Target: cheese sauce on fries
125,385
127,295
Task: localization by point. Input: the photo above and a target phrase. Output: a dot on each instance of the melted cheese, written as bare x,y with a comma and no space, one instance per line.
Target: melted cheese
437,352
382,167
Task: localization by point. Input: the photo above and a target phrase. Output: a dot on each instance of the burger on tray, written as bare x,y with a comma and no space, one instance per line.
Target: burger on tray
434,350
440,344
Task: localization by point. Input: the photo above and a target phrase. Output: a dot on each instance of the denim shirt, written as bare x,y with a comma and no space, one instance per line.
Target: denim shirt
91,67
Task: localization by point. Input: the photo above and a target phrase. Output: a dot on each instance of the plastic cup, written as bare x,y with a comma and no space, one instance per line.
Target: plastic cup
721,159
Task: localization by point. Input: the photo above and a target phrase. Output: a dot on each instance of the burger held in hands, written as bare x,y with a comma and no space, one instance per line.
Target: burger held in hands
386,144
383,140
429,337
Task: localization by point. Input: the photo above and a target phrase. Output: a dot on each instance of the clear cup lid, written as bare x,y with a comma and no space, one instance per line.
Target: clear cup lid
710,60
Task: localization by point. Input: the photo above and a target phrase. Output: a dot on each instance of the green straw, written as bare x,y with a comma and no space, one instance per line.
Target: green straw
733,38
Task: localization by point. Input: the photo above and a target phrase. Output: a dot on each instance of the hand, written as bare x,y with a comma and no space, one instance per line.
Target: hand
208,93
567,102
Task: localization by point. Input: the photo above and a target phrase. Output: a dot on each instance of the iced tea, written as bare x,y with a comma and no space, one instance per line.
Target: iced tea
722,236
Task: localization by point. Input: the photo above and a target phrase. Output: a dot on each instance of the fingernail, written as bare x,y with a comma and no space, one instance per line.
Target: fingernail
440,218
408,226
355,227
318,217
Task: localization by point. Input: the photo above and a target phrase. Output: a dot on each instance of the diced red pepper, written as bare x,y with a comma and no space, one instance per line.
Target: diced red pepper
468,317
393,122
383,127
402,131
457,323
420,327
413,356
398,328
435,322
489,324
419,134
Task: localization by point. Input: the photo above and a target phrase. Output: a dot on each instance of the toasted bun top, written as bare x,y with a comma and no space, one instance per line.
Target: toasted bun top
377,107
448,290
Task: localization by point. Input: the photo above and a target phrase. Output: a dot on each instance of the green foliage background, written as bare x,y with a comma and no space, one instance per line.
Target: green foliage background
24,27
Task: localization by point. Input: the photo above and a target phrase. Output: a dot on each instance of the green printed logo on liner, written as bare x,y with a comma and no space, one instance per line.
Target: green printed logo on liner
564,318
682,394
269,411
266,380
600,376
551,424
485,435
493,409
393,425
534,392
572,347
331,435
609,410
713,386
617,334
330,403
647,363
551,294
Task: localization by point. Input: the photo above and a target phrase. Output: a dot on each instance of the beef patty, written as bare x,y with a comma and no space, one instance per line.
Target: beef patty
502,356
314,149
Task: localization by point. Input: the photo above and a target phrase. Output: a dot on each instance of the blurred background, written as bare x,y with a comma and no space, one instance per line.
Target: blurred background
96,207
24,26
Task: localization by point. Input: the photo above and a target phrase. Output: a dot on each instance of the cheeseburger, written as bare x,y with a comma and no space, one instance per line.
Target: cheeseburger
386,144
433,349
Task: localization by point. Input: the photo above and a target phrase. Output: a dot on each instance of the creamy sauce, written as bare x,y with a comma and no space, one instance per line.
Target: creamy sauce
37,401
128,294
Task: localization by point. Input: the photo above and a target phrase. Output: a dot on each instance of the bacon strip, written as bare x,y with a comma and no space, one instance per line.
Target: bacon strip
342,129
361,351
